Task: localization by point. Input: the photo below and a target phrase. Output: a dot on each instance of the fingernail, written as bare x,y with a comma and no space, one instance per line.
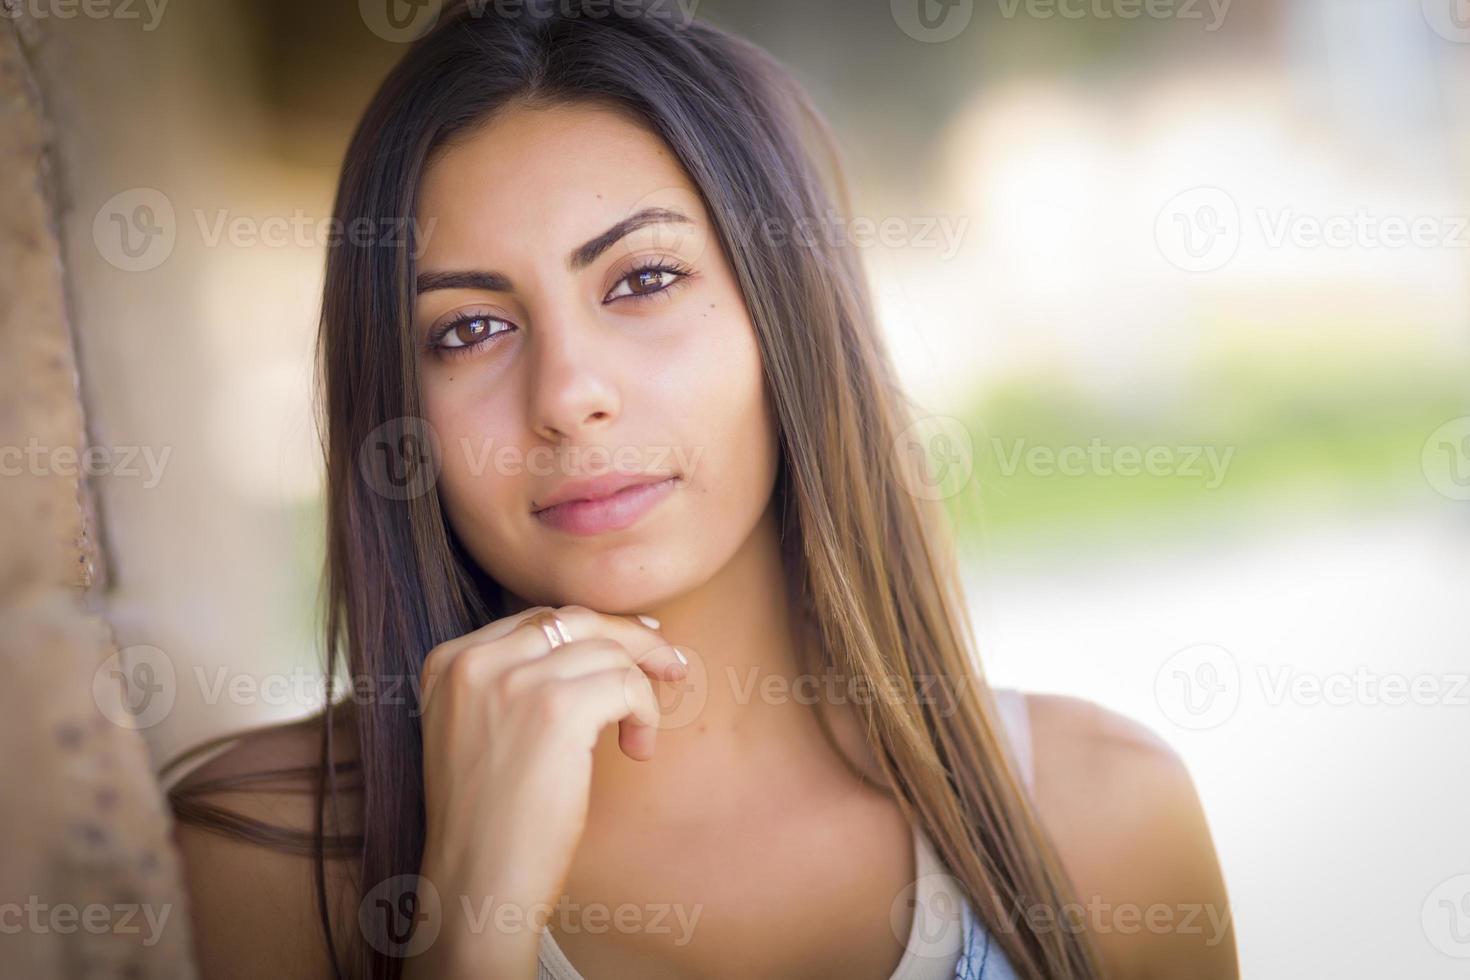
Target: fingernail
680,654
648,621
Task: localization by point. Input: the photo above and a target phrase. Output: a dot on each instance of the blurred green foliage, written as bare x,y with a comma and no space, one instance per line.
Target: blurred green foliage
1248,432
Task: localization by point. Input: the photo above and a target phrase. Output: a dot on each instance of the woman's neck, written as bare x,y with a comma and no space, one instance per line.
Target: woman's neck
745,714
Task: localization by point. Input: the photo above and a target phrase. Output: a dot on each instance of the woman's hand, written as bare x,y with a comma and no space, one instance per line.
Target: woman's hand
509,725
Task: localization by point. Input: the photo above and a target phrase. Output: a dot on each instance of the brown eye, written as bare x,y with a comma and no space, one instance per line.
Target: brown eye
645,282
468,331
650,281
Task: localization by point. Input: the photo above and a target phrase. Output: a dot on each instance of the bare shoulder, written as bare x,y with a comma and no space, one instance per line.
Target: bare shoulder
254,905
1132,835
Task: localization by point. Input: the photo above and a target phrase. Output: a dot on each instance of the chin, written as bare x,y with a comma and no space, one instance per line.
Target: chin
620,581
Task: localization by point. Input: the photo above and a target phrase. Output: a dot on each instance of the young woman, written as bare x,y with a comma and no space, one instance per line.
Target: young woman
614,480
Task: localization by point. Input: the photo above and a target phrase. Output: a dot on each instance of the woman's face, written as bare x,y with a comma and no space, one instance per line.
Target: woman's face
562,342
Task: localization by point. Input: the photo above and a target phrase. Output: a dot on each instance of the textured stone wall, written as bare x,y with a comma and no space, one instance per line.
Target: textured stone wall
87,871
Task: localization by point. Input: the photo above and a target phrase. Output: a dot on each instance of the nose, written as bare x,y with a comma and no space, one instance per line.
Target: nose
571,387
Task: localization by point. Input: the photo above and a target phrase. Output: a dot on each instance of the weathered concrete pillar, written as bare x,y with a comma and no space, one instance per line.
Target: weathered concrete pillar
87,870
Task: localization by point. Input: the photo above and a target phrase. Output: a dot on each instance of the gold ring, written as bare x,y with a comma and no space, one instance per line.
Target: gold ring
555,630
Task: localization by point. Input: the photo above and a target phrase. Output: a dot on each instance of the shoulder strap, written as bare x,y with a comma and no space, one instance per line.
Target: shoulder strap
171,778
1017,722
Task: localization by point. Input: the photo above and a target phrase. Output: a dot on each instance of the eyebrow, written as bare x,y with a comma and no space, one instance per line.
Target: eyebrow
581,257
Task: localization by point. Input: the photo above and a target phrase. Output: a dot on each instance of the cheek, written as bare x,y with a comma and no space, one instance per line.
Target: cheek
478,447
736,437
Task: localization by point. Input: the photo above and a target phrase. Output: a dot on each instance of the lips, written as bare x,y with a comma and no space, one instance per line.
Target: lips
608,503
597,488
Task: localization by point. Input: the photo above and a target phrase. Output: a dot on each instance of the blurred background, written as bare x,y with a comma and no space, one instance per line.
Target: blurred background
1181,283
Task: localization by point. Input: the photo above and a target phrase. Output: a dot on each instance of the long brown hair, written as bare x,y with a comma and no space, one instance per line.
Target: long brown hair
870,562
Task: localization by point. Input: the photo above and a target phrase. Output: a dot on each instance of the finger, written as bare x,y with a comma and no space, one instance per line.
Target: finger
646,645
513,640
637,742
495,629
439,658
517,639
571,660
624,697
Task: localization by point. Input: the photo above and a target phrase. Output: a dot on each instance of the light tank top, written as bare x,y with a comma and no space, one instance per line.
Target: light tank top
945,940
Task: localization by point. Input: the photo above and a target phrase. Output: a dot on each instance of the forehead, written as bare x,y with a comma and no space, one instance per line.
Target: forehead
554,175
